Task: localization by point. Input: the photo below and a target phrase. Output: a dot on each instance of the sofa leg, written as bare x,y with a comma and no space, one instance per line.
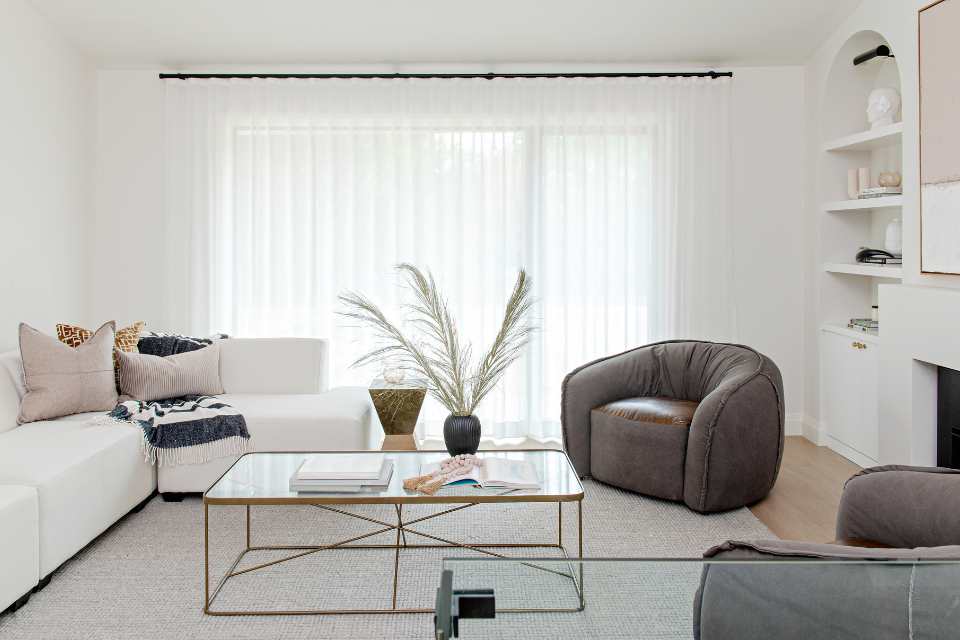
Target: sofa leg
169,496
22,600
43,583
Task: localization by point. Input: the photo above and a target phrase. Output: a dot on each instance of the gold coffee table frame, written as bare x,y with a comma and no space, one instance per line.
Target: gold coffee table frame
248,496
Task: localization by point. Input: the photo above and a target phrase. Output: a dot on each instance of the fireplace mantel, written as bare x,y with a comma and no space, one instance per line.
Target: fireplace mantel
920,331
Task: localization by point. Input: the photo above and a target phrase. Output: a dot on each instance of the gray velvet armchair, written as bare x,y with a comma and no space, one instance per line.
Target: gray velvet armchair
899,513
700,422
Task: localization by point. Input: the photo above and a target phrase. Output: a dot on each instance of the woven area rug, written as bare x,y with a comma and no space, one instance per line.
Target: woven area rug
143,578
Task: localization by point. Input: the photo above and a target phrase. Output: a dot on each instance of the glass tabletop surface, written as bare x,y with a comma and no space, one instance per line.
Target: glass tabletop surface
264,478
567,598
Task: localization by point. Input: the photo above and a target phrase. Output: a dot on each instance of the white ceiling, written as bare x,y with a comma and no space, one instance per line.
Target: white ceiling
188,33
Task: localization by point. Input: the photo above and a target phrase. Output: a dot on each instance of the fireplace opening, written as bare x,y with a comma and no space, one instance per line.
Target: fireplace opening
948,418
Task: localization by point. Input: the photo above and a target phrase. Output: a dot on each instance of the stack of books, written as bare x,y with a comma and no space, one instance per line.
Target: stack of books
880,192
342,473
863,324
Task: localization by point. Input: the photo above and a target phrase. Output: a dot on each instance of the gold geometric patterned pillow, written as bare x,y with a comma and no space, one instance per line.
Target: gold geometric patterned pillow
126,340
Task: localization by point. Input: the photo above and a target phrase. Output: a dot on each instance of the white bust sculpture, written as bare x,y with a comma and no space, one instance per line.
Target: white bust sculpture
883,107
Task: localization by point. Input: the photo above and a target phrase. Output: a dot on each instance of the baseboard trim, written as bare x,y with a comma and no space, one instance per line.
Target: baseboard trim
850,453
800,424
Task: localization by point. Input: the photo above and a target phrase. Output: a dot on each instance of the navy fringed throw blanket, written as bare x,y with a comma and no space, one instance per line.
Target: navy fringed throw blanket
187,430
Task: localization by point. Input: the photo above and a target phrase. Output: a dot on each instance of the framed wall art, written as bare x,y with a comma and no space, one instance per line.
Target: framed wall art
939,36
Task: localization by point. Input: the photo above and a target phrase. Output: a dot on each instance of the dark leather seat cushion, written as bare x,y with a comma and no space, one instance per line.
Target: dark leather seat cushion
640,444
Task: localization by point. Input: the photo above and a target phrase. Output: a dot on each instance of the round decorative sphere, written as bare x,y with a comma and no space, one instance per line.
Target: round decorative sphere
394,375
889,179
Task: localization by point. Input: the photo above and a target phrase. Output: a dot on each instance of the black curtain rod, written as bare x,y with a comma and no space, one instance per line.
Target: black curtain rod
487,76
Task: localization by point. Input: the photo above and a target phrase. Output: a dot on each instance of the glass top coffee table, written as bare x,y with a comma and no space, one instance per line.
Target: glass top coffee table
262,479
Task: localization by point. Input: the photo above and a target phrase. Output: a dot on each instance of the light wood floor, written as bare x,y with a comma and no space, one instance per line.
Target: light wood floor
803,503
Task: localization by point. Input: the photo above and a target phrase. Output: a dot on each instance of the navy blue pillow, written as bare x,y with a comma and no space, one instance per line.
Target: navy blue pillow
167,344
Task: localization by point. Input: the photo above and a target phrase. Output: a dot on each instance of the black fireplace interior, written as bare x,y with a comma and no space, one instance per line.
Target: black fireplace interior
948,418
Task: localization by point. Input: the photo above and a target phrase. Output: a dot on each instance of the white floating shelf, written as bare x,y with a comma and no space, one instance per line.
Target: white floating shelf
844,330
861,269
867,140
862,204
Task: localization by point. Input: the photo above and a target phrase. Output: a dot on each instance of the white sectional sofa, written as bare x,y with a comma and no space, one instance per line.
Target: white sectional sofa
280,386
64,481
19,544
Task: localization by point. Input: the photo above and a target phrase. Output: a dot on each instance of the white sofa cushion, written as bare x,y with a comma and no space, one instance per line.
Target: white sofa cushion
19,543
336,420
273,365
11,389
86,478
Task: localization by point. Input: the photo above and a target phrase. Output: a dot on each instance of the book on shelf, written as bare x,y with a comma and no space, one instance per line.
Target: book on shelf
880,192
863,324
495,473
342,466
340,485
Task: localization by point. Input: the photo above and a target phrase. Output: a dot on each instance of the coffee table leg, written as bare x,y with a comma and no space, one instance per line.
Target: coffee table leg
580,549
396,555
560,524
248,527
206,558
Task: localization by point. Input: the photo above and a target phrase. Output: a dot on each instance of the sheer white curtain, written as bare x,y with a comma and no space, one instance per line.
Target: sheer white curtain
612,193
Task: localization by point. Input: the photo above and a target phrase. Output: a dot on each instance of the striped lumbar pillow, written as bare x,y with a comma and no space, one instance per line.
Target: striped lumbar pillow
146,377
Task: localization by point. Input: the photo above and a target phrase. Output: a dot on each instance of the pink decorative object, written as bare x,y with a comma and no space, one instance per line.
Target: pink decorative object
863,178
853,184
450,469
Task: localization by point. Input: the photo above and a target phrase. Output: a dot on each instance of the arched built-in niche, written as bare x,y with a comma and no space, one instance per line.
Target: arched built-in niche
849,359
849,143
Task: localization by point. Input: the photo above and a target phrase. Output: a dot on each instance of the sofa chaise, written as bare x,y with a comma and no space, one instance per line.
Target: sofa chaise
280,386
65,481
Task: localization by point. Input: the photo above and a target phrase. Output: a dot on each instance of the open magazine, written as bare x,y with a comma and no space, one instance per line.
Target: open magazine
495,473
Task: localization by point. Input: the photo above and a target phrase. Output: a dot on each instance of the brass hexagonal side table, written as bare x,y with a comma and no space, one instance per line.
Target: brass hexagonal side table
398,407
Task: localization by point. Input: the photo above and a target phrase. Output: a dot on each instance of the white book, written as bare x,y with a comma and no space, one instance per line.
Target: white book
495,473
342,486
331,488
342,466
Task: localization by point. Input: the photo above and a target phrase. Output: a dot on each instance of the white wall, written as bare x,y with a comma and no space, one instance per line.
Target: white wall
768,157
128,198
46,93
769,203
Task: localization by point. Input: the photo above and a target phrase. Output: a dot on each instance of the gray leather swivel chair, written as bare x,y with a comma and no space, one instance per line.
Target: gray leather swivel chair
700,422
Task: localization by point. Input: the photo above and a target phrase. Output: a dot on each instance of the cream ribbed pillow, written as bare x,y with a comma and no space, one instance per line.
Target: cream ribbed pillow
145,377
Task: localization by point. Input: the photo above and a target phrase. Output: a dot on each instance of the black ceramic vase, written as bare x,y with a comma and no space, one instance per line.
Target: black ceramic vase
461,434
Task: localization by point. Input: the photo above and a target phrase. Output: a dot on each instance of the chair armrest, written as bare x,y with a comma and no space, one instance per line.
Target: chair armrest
735,445
629,374
902,506
273,365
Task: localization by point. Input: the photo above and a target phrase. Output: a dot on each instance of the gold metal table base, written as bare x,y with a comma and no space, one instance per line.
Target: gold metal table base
402,529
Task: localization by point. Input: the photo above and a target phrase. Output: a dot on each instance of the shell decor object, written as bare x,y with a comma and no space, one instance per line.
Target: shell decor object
889,179
883,107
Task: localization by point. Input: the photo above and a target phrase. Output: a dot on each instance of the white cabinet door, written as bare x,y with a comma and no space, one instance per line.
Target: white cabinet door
848,395
868,440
